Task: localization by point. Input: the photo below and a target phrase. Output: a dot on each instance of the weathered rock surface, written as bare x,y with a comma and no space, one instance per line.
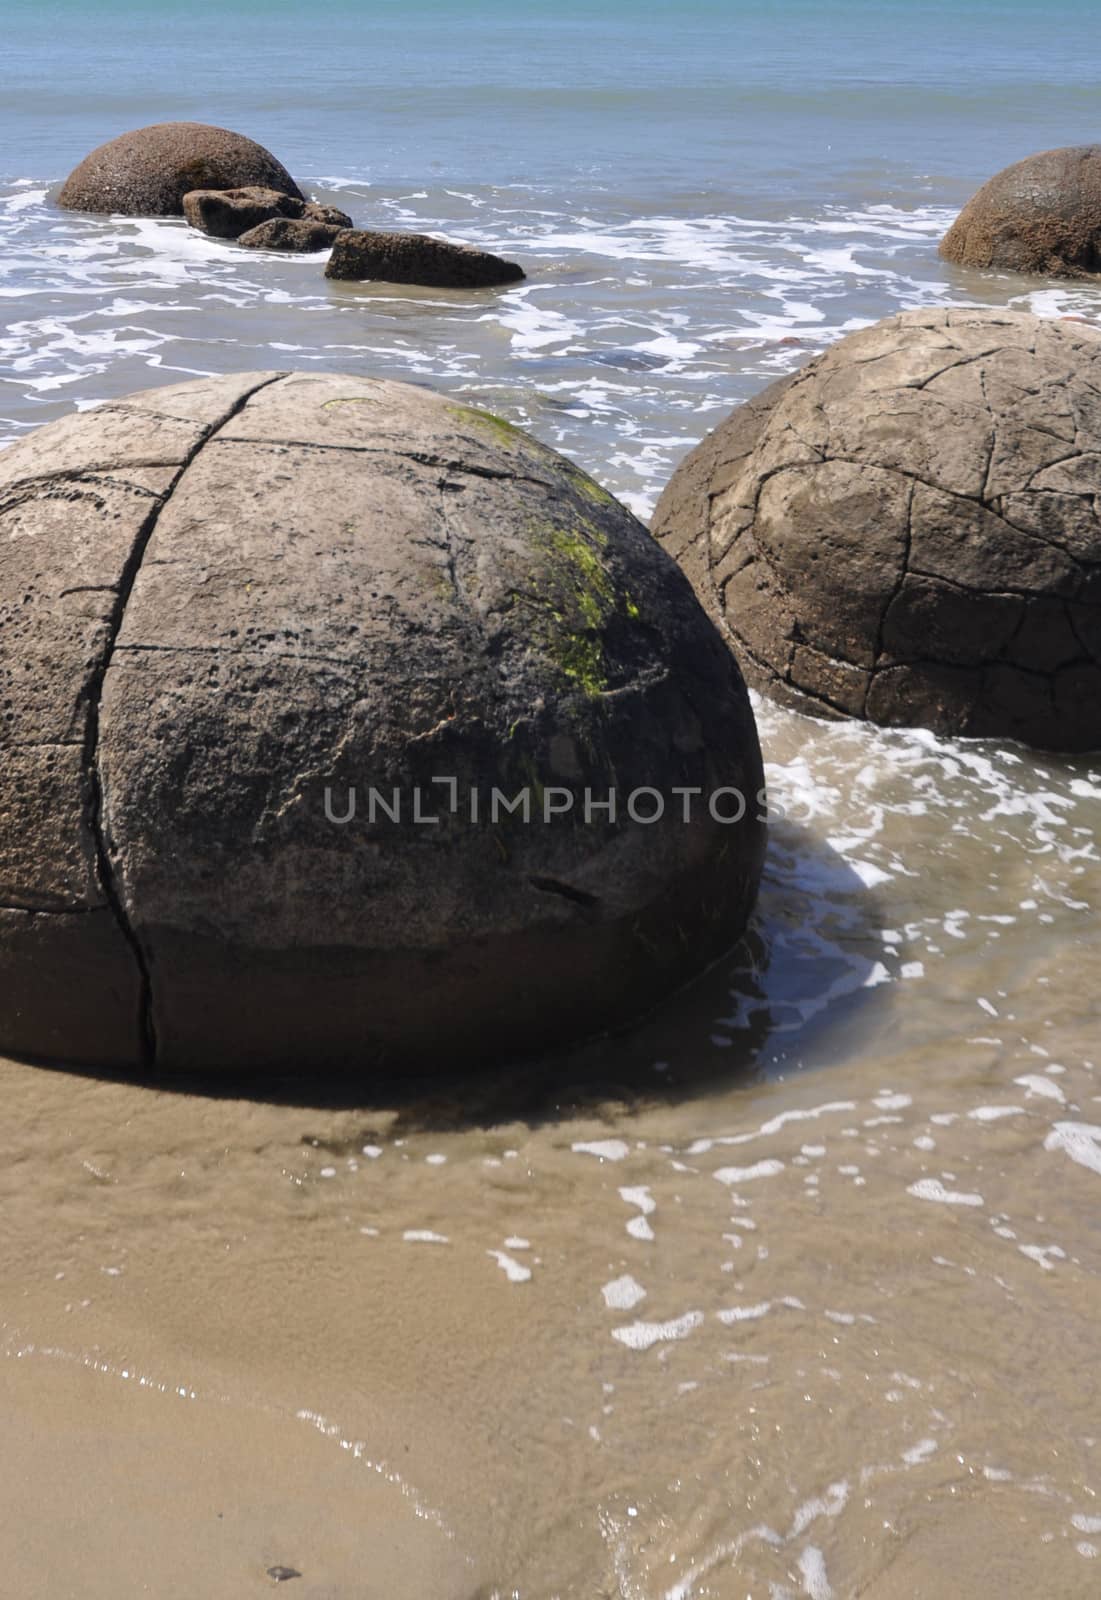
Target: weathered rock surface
147,172
1040,215
229,213
417,258
314,211
222,602
907,529
291,233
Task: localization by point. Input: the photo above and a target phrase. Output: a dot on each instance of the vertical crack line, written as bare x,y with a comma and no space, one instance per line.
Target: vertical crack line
94,692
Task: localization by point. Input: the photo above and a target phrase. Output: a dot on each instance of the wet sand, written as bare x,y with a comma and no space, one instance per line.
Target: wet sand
793,1290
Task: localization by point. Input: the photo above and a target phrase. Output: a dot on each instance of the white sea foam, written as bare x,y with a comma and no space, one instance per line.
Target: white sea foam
933,1189
603,1149
514,1270
623,1294
641,1335
760,1169
1081,1141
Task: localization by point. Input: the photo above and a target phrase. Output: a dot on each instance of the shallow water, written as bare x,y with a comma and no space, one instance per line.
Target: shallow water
791,1291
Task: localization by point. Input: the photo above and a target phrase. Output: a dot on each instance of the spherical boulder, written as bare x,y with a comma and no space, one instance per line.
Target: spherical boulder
1041,215
346,726
417,258
147,172
907,529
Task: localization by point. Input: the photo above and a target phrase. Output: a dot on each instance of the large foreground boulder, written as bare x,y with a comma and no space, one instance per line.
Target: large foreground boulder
229,213
1040,215
320,693
147,172
907,530
417,258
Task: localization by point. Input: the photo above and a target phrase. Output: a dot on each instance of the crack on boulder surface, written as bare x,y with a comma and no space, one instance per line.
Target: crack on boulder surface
93,690
21,491
565,891
1012,500
422,458
903,574
261,652
52,911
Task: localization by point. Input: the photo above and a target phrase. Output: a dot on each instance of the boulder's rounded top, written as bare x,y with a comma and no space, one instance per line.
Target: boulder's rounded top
1041,215
147,171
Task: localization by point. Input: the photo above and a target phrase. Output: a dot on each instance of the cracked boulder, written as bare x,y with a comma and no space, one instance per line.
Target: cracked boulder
907,529
305,682
1041,215
147,172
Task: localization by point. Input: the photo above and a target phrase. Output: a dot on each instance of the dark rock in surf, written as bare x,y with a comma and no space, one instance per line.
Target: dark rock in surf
289,234
230,213
416,258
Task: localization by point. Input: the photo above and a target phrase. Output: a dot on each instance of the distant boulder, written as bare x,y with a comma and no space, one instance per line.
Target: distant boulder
229,213
147,172
1041,215
417,258
290,234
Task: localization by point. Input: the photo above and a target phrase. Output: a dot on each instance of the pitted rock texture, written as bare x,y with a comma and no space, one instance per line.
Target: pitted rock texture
231,213
907,529
291,234
147,172
417,258
228,604
1041,215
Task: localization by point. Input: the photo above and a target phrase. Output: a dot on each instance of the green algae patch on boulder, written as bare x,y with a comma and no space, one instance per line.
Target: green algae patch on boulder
907,529
148,171
312,680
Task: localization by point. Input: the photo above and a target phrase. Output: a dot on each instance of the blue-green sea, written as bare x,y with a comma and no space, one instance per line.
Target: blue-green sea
701,193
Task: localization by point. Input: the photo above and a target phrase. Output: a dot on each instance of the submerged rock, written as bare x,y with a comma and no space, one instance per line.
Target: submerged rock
1040,215
282,656
291,233
147,172
907,529
417,258
229,213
